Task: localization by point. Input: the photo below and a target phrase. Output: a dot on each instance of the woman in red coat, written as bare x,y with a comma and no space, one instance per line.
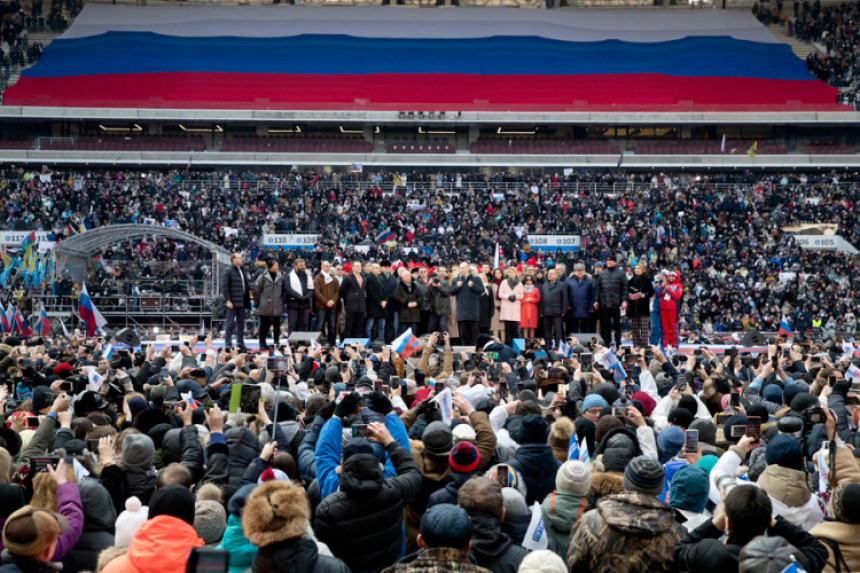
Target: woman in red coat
529,312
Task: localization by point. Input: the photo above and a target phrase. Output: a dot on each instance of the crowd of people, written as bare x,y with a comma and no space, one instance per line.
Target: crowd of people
724,234
420,458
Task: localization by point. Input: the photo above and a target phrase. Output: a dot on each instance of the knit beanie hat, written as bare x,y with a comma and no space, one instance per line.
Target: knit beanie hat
356,446
689,489
174,500
680,417
846,503
210,521
438,438
464,458
593,401
604,425
670,441
542,561
689,403
772,393
237,502
707,430
645,475
616,460
707,462
792,390
573,476
534,429
446,525
786,451
648,403
129,521
514,502
138,451
463,433
275,511
559,437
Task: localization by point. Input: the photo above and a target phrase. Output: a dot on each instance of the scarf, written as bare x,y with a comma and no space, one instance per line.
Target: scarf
296,283
326,277
513,282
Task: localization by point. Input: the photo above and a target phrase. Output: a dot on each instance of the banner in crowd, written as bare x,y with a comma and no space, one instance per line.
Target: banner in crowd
553,243
825,243
290,241
13,238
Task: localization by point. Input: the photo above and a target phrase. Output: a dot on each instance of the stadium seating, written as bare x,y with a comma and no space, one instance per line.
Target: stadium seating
420,146
126,143
262,144
530,146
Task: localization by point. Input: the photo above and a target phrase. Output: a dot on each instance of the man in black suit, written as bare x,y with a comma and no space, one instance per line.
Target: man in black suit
353,291
235,287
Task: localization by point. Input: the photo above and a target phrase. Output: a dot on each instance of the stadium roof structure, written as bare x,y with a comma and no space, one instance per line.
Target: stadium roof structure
376,64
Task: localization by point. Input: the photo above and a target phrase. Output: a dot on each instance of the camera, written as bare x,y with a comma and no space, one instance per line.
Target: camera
726,483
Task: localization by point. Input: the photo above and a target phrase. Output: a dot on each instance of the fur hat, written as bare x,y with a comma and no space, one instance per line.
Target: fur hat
559,437
275,511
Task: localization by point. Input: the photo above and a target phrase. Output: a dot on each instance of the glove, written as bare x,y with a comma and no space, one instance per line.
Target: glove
425,407
512,297
380,403
348,405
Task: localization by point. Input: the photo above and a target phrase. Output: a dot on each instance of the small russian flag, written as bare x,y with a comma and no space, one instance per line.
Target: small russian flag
784,328
406,344
384,237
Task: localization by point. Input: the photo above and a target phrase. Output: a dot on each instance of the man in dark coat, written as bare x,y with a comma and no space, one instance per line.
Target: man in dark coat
299,294
610,291
353,291
377,301
534,459
362,523
481,497
236,288
580,296
553,305
408,297
468,289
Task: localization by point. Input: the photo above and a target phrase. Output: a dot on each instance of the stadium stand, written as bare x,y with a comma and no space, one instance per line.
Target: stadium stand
298,144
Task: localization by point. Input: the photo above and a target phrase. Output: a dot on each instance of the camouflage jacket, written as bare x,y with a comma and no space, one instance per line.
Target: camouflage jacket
627,533
436,560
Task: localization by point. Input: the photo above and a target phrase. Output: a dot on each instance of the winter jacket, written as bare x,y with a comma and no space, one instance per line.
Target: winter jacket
354,296
405,294
436,560
302,298
325,292
269,294
69,506
182,445
640,285
837,536
580,297
510,310
702,551
627,533
241,550
610,288
122,483
486,309
231,287
296,555
161,545
538,466
376,296
243,447
493,549
448,493
362,523
553,298
468,298
560,510
440,300
668,295
16,564
786,488
98,530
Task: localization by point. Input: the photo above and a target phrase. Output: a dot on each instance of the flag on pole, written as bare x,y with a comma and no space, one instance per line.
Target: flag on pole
89,314
530,369
536,537
94,380
564,349
853,374
71,231
65,330
5,325
784,328
753,149
43,327
27,243
446,405
107,352
584,457
496,260
723,145
190,160
611,362
406,344
572,448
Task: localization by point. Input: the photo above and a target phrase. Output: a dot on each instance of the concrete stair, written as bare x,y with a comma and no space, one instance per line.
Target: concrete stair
43,38
799,47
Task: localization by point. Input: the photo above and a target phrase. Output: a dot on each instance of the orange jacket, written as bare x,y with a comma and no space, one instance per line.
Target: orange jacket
161,545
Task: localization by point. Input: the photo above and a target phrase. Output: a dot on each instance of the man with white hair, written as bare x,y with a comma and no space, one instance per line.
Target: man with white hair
467,289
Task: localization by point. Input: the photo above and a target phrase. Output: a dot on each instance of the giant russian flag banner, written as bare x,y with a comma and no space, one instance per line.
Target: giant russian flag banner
379,58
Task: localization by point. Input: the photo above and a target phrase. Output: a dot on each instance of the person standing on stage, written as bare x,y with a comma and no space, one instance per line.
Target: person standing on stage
235,287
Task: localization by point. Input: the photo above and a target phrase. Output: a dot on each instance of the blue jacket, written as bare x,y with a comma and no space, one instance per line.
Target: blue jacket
538,466
328,452
580,296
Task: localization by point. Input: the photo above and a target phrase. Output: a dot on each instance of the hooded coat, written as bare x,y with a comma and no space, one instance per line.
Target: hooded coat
491,548
538,466
297,555
362,523
626,533
161,545
560,510
99,527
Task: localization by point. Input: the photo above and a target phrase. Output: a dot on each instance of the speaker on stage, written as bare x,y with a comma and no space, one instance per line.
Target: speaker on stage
753,338
127,336
585,338
303,337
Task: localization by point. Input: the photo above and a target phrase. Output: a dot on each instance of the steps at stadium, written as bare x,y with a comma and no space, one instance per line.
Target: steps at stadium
799,47
44,38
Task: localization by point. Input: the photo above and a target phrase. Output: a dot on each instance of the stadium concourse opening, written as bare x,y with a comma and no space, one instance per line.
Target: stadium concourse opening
371,59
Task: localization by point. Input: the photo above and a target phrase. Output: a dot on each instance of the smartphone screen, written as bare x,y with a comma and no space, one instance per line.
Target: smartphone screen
359,431
754,427
691,443
586,360
503,389
619,412
377,385
735,399
394,380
